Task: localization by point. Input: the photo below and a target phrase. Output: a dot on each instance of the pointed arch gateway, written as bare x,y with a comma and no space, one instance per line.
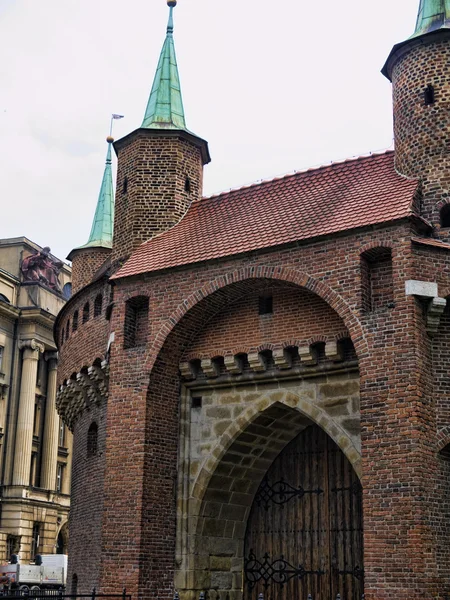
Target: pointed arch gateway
305,531
281,510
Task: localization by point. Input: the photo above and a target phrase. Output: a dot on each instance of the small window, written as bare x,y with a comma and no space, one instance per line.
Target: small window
63,335
86,311
35,539
92,440
429,96
197,402
12,545
62,434
37,419
125,185
187,186
75,321
67,291
265,305
67,329
445,216
98,305
2,354
59,477
33,469
136,322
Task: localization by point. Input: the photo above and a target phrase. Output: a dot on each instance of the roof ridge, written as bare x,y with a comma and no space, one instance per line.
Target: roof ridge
288,175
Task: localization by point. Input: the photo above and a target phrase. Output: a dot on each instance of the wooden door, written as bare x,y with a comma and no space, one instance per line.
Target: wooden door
304,534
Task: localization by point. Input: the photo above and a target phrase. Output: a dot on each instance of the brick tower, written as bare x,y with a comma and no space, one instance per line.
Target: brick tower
160,168
87,259
418,69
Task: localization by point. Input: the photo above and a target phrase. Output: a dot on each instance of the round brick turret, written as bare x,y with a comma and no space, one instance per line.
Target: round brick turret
85,264
160,172
418,69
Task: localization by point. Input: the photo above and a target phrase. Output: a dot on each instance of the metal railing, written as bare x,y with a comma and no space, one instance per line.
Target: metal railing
60,594
207,596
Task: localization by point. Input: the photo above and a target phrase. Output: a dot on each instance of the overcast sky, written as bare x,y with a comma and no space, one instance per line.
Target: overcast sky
273,86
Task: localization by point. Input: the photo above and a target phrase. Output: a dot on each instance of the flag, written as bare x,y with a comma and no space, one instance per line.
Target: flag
118,116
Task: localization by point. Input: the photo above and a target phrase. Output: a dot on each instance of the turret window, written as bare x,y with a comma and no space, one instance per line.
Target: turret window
429,95
125,185
98,305
92,440
86,311
75,321
445,216
187,185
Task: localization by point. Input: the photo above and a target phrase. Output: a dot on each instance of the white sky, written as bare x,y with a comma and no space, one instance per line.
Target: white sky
273,86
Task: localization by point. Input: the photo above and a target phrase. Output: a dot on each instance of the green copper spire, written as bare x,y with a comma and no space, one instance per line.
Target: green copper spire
433,15
102,227
165,106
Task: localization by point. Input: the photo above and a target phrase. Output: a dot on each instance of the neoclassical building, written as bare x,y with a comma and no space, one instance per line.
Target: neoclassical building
35,445
258,382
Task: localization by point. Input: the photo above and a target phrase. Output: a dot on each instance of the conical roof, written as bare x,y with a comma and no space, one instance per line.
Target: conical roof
101,235
433,18
433,15
165,106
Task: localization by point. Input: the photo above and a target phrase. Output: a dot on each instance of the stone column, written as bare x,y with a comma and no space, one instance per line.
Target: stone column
25,417
68,471
51,428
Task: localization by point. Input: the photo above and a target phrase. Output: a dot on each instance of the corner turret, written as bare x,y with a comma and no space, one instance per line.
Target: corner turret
87,259
418,69
160,165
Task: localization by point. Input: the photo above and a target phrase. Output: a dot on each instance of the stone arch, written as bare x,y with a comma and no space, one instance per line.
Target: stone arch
62,535
300,404
443,438
214,294
223,492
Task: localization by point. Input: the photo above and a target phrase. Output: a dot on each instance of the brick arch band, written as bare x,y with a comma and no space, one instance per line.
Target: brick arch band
215,291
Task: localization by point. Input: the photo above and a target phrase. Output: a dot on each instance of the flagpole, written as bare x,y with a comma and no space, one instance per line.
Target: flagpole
114,116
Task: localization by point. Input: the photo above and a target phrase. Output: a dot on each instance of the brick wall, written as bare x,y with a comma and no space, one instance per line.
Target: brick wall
298,317
85,264
86,512
150,196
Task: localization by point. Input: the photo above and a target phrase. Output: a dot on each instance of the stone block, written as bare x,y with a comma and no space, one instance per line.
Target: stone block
306,356
221,580
233,365
282,359
425,289
220,563
333,351
256,362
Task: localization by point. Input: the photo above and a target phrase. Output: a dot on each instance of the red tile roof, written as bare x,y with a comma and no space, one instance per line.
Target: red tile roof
317,202
431,242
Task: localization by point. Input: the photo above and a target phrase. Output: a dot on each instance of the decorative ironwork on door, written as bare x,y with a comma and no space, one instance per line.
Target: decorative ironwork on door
304,533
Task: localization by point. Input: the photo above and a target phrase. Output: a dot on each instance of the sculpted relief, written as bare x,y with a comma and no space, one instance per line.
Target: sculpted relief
42,268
